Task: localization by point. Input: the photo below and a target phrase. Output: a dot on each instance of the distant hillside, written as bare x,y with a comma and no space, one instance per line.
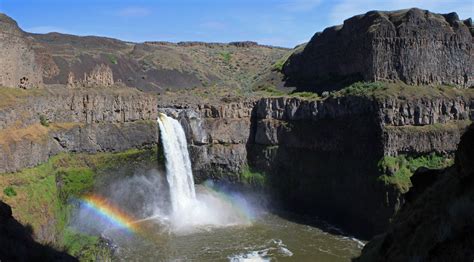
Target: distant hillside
150,66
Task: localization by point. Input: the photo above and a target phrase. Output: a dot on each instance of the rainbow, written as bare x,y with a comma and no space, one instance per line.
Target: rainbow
242,210
109,213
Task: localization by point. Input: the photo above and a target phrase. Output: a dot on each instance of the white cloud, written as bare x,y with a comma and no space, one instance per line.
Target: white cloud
300,5
46,29
348,8
134,11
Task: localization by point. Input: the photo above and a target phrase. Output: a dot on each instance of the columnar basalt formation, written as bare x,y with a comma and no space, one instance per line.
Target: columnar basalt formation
79,120
413,46
321,157
436,224
101,76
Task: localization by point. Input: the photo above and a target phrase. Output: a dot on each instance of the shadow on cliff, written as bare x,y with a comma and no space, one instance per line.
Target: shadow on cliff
316,172
437,221
17,243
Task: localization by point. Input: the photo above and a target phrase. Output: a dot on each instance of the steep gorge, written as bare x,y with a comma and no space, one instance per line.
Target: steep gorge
322,157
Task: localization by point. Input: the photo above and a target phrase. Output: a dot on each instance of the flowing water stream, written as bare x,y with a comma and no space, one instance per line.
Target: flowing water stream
152,217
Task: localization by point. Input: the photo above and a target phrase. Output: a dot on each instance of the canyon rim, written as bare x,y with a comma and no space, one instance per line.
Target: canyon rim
356,145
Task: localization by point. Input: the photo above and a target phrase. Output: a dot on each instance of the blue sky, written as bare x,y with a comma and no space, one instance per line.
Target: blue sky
275,22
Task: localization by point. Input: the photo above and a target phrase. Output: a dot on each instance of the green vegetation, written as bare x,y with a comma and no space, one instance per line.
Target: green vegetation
250,177
84,247
269,90
306,95
112,59
43,195
398,170
382,90
226,56
9,191
360,89
278,65
75,181
43,121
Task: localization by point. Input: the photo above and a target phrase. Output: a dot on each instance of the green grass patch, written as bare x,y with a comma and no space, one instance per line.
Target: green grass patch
269,90
74,181
306,95
398,170
399,90
250,177
112,59
226,56
9,191
278,65
85,247
43,194
360,89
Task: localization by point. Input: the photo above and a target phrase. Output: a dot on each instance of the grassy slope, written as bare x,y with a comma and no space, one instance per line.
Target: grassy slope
41,203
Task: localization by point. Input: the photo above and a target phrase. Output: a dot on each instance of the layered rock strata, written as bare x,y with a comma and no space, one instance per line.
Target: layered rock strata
75,121
413,46
437,223
321,157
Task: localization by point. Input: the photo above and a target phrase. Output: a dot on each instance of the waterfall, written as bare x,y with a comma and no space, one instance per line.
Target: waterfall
178,164
191,209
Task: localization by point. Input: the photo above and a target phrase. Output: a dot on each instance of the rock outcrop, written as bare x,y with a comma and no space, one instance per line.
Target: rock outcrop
55,121
437,225
413,46
18,64
321,157
17,243
101,76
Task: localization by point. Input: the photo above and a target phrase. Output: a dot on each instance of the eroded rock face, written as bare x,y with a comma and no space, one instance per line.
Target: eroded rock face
321,157
101,76
438,224
18,65
109,120
217,137
413,46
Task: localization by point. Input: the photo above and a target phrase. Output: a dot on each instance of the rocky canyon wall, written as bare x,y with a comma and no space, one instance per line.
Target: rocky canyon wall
321,157
53,121
413,46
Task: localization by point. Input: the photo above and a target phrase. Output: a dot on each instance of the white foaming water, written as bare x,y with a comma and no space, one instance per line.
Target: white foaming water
188,208
178,165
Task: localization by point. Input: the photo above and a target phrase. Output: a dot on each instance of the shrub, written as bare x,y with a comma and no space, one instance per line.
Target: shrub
398,170
9,191
270,90
75,181
250,177
308,95
278,66
85,247
361,88
226,56
112,59
43,121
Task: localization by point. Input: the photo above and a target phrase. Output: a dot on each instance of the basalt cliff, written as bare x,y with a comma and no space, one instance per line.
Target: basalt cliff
436,223
346,155
414,46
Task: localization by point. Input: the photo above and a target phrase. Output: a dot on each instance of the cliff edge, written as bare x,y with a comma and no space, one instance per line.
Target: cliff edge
437,223
414,46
